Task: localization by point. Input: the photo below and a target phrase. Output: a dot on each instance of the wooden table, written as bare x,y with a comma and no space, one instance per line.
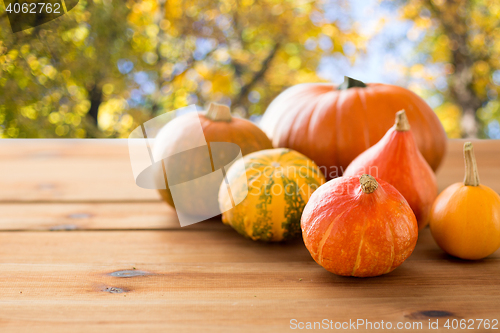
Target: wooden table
83,248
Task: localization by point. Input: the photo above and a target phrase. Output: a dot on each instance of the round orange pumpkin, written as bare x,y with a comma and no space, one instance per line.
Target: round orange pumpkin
359,226
465,218
332,125
218,126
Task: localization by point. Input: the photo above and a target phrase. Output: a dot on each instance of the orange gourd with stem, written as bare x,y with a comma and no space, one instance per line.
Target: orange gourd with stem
465,218
397,160
218,125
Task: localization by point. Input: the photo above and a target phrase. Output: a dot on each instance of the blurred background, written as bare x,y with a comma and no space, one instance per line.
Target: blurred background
109,65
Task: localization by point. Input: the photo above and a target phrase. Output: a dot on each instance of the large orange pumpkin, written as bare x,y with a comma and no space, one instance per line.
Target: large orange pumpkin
218,126
332,125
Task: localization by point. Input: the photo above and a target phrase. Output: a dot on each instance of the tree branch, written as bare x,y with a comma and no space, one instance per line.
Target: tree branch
460,83
95,97
256,77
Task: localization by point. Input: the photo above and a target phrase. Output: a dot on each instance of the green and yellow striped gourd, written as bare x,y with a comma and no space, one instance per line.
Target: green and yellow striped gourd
280,182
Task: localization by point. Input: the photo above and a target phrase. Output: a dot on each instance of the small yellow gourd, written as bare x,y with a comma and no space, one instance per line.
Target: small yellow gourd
465,218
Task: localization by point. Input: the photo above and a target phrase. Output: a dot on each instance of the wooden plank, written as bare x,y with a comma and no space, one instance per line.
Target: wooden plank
40,149
99,170
215,295
218,281
93,216
132,248
164,314
68,170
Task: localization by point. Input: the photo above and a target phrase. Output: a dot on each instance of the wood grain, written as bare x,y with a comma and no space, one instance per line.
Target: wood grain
68,171
100,171
187,280
83,249
92,216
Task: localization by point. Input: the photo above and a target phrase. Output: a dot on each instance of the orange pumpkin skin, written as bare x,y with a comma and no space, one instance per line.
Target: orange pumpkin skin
352,233
248,136
314,118
465,221
397,160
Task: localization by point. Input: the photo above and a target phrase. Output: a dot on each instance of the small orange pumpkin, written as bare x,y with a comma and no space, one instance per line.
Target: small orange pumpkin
218,126
465,218
359,226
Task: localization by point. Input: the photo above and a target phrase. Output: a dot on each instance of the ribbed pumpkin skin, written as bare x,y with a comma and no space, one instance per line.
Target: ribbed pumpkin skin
280,182
333,126
396,159
352,233
242,132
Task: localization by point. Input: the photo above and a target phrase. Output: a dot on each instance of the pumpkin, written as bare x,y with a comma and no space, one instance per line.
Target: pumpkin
359,226
218,126
279,182
332,125
397,160
465,218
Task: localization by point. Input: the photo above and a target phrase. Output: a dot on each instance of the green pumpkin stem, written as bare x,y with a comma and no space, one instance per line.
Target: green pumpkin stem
368,184
218,112
471,174
351,83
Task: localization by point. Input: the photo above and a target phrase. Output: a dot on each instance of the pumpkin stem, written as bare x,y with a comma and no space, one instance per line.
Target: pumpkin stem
368,184
218,112
471,174
351,83
402,124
